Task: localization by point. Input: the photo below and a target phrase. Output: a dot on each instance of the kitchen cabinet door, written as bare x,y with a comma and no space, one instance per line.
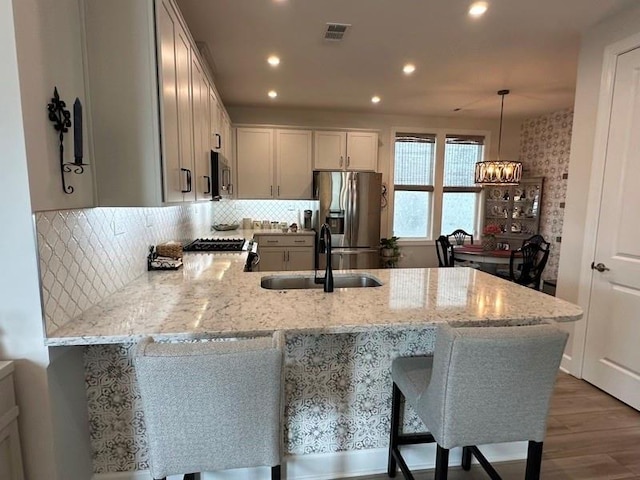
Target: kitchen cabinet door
293,164
362,151
201,128
330,150
10,455
254,157
345,151
300,258
215,115
271,259
145,78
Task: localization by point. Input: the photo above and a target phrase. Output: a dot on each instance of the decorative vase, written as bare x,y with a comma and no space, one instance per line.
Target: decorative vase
387,252
489,242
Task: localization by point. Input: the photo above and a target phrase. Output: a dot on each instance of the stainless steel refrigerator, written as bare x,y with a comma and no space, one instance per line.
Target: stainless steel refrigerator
349,202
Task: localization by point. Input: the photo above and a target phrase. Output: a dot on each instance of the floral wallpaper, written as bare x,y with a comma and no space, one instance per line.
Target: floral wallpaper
337,395
545,145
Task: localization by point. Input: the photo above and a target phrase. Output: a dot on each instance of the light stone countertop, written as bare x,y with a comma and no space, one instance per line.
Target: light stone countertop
211,296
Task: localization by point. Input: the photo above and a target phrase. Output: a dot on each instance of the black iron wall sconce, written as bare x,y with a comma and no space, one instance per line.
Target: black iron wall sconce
61,118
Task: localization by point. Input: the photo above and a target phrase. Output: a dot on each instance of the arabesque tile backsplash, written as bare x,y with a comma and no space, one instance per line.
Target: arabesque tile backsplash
88,254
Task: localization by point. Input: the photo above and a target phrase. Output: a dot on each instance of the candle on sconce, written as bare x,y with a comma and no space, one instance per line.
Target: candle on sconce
77,131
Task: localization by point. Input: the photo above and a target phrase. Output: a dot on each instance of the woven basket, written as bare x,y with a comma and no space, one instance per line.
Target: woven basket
169,249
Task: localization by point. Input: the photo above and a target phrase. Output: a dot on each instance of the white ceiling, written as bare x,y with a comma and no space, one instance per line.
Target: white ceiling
528,46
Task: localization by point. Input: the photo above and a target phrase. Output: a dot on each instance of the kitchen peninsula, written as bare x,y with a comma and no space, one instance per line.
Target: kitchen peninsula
339,348
212,297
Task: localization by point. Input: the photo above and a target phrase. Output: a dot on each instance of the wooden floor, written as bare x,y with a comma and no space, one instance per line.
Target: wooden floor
590,436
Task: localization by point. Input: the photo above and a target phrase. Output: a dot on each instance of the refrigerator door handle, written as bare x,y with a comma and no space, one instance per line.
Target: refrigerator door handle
355,213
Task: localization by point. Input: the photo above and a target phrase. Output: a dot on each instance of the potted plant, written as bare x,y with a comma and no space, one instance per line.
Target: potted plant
389,247
489,233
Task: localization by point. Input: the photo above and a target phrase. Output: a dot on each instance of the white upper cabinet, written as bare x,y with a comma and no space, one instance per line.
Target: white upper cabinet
274,163
335,150
293,164
148,150
254,157
174,53
201,131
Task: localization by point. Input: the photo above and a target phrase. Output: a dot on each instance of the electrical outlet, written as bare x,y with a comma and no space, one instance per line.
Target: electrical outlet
117,225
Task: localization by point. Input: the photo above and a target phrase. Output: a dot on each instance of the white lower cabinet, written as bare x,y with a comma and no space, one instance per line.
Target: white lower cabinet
285,252
10,455
274,163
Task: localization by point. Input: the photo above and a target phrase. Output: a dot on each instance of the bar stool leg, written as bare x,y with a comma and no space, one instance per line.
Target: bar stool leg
275,472
395,426
534,461
466,458
442,463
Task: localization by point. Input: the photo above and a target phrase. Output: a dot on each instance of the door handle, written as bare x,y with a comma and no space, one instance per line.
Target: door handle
208,192
601,267
188,172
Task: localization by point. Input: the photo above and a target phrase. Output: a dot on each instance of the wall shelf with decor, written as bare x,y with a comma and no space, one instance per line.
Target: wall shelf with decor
515,208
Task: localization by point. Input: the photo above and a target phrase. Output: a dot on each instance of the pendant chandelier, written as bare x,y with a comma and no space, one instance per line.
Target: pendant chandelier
499,172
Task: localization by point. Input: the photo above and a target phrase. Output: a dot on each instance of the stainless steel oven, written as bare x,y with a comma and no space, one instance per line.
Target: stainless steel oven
221,185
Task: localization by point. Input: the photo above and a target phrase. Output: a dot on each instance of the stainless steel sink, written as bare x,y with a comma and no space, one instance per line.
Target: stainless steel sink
286,282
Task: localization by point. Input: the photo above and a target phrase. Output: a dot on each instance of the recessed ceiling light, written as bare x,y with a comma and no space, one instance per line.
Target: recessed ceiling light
409,68
375,99
272,94
273,61
478,8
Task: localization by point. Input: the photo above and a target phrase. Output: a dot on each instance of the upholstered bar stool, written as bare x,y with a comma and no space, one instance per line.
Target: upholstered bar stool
482,385
211,406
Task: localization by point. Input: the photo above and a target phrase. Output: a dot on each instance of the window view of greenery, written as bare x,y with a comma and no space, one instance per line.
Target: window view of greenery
414,173
413,178
461,195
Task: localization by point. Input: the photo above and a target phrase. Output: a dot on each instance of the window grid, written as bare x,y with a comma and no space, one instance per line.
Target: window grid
414,171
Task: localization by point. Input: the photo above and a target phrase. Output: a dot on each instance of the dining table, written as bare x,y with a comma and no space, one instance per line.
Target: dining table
488,260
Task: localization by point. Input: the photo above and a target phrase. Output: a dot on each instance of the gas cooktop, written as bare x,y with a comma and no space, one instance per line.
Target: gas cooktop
216,245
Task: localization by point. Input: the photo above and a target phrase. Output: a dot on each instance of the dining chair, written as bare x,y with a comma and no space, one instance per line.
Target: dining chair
460,236
527,263
444,250
482,385
538,240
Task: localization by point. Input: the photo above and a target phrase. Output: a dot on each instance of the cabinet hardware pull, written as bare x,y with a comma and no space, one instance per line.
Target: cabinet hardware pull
601,267
219,142
208,192
272,241
188,172
341,160
299,241
278,190
271,190
348,160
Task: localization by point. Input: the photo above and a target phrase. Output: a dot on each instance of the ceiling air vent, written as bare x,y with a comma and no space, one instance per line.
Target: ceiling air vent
335,32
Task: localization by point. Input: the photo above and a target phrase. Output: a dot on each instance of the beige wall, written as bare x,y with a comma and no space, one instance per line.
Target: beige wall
576,230
49,46
418,255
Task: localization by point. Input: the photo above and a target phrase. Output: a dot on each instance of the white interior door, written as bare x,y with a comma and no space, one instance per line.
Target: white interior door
612,349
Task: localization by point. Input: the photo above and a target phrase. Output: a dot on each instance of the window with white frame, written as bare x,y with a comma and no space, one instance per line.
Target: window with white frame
434,189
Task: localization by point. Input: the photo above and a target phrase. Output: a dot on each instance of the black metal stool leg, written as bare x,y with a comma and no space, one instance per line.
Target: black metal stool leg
466,458
534,461
275,472
442,463
395,426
